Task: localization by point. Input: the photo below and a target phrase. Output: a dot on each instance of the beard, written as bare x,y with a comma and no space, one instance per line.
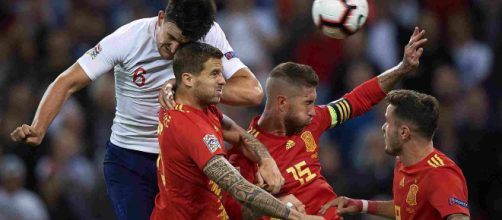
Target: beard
293,125
206,97
393,147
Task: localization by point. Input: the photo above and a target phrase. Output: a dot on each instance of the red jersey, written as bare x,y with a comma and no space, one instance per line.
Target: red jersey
431,189
188,139
297,155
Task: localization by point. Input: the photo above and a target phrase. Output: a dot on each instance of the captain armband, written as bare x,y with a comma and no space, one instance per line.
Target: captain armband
340,111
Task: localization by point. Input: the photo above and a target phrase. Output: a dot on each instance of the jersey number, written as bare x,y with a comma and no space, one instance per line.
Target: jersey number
397,211
299,173
138,77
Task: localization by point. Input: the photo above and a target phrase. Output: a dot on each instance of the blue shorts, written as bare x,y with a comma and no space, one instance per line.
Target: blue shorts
131,182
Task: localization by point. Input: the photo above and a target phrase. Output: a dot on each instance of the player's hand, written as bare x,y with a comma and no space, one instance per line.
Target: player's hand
27,134
344,205
297,204
272,178
413,50
166,94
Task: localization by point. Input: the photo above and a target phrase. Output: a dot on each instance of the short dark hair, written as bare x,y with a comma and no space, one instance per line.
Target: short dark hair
193,17
190,58
420,109
296,74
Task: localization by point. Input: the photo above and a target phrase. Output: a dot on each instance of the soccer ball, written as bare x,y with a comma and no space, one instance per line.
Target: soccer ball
339,18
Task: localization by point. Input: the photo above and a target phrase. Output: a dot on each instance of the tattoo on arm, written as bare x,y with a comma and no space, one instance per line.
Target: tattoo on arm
234,134
249,214
390,78
457,217
255,146
228,178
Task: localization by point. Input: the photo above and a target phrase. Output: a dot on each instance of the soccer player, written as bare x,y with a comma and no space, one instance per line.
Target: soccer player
427,184
192,169
140,55
291,125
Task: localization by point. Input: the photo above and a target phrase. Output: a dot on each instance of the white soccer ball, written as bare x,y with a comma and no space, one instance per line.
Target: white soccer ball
339,18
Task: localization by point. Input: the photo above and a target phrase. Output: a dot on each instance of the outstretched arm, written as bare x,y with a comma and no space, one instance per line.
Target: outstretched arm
368,94
411,59
70,81
228,178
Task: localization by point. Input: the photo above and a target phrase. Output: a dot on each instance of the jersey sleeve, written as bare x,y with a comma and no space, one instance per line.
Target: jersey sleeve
106,54
447,192
360,100
200,145
327,116
231,63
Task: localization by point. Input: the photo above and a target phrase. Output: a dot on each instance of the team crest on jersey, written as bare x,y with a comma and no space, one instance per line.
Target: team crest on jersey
411,198
212,142
94,51
455,201
308,138
290,144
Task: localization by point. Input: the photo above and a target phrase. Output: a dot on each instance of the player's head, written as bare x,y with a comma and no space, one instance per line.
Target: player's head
409,115
199,71
291,92
183,21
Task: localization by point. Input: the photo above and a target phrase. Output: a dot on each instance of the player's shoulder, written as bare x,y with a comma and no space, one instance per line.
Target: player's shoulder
214,34
179,112
441,167
321,114
437,159
215,29
136,27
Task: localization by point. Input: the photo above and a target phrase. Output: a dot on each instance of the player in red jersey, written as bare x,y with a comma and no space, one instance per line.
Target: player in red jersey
192,169
427,184
291,125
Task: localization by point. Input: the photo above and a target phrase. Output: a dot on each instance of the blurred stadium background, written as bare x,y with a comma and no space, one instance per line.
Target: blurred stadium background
62,178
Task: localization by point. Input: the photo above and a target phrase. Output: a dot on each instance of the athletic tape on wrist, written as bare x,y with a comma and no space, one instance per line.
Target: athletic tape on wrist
365,206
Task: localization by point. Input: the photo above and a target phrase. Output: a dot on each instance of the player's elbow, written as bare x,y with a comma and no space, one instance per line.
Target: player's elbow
256,96
72,80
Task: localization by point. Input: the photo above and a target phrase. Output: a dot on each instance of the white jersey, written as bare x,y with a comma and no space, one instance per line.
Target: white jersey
140,72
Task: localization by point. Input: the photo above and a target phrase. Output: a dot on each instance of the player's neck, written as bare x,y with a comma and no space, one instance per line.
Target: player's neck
184,98
416,151
269,122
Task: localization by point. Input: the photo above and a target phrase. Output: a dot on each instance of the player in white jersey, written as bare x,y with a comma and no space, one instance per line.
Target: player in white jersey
140,54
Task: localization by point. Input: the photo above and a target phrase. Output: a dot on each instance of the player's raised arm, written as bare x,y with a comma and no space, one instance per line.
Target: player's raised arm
67,83
254,151
371,92
345,205
228,178
411,59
